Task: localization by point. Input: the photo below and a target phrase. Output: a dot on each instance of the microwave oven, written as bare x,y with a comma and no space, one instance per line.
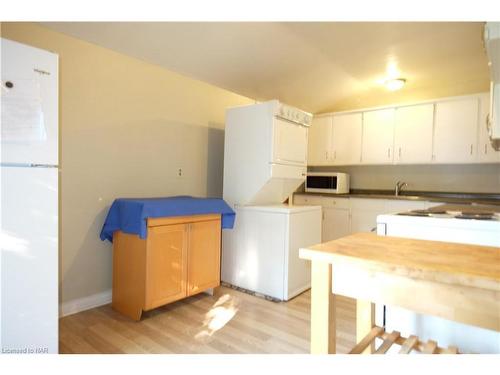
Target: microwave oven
327,182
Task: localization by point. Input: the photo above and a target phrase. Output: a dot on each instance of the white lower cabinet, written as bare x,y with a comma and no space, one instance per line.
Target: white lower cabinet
343,216
364,214
336,223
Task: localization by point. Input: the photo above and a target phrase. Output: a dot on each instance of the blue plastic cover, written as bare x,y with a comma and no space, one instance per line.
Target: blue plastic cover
129,214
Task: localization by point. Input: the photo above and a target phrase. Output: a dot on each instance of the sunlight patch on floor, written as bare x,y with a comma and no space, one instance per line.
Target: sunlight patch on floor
219,315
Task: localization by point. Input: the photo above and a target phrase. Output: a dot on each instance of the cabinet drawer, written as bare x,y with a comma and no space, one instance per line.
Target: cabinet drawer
368,204
321,200
309,200
336,202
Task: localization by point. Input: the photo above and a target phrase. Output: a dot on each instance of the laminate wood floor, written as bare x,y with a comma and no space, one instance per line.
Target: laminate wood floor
228,322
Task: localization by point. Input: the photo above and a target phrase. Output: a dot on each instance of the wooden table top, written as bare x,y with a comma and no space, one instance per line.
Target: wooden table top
462,264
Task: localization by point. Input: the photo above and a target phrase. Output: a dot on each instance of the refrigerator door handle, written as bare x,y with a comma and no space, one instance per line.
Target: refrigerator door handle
20,165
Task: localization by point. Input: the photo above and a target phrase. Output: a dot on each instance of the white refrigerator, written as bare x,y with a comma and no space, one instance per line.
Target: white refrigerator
29,200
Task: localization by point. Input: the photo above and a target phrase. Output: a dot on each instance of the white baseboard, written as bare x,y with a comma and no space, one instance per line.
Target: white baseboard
85,303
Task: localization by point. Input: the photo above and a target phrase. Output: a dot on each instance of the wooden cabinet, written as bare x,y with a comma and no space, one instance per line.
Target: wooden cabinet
180,257
378,137
346,139
203,256
455,131
413,134
166,264
319,144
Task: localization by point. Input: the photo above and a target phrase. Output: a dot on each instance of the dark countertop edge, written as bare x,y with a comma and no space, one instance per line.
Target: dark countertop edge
445,197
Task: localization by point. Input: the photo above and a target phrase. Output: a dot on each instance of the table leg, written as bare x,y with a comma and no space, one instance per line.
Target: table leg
322,309
365,320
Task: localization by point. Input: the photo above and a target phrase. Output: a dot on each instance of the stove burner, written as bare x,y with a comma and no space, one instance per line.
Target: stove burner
477,213
471,215
422,213
475,216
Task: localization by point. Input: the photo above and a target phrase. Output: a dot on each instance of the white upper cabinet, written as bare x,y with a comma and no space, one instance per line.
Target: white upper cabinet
485,151
378,136
444,131
290,143
413,134
319,145
346,139
455,131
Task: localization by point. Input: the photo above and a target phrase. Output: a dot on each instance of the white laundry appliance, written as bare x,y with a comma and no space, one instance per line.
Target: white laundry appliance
477,225
29,199
265,161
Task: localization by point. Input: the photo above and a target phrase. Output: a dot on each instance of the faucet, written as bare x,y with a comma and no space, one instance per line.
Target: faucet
399,187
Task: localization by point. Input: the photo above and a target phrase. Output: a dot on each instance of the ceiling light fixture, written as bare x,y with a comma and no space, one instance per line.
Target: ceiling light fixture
395,84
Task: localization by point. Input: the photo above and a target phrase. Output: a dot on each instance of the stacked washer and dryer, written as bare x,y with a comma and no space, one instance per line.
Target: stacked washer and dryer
265,161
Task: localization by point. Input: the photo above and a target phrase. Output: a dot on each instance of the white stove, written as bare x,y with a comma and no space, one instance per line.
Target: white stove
477,225
469,224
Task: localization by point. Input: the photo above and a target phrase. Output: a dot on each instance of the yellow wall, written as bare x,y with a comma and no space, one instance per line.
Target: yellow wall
126,126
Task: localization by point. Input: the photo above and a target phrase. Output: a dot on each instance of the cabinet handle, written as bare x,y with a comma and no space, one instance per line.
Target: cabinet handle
471,149
400,152
326,155
389,152
335,155
485,149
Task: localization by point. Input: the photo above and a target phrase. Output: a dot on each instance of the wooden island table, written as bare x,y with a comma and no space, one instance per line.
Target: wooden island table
458,282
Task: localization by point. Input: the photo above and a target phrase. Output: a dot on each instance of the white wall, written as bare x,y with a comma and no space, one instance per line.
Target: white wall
126,128
474,178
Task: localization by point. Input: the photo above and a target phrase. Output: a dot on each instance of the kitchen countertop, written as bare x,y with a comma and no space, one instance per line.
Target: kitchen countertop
419,259
445,197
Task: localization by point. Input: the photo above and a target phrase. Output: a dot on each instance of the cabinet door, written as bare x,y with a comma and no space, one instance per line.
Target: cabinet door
290,143
485,151
166,271
336,223
378,136
455,131
364,221
413,134
346,139
319,143
204,256
364,214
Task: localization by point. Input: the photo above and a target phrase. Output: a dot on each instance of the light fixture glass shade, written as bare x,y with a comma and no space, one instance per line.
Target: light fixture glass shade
395,84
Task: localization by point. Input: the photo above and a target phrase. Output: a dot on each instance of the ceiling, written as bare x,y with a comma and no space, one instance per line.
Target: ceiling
317,66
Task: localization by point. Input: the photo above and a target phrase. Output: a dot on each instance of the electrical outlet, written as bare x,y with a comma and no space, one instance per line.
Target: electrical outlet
180,173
